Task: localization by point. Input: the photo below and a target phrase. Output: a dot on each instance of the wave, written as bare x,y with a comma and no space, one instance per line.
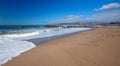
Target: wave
27,33
11,48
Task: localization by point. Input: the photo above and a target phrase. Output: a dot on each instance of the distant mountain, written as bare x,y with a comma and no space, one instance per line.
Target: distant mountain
85,24
91,23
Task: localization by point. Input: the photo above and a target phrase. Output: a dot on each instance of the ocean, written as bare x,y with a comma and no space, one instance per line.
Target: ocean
13,39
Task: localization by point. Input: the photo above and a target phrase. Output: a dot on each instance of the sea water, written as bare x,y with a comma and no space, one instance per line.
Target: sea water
13,38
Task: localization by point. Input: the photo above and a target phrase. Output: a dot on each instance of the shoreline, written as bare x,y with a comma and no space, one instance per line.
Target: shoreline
98,47
38,41
23,45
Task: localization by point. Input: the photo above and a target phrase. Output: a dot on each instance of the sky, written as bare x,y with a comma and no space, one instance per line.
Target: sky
38,12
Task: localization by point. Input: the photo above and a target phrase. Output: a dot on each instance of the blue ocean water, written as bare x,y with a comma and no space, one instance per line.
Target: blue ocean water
12,29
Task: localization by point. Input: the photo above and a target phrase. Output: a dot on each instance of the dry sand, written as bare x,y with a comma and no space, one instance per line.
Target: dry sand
99,47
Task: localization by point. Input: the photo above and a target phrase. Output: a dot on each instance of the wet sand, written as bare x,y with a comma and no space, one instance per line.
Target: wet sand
99,47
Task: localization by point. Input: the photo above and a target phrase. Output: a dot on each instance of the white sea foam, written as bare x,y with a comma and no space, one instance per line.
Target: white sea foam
17,35
12,45
56,32
11,48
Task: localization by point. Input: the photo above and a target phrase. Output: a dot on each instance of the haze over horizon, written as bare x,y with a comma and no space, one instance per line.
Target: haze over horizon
35,12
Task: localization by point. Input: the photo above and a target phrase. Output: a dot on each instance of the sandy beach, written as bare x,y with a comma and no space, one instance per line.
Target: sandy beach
98,47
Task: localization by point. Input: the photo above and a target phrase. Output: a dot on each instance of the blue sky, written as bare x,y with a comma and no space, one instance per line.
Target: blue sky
23,12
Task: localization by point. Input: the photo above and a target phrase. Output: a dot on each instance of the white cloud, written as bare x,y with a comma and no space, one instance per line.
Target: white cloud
69,18
109,6
105,16
100,17
108,16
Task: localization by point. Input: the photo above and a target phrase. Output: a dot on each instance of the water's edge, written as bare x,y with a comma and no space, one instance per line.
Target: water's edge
28,44
38,41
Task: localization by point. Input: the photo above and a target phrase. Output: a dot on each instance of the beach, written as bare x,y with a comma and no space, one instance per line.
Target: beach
98,47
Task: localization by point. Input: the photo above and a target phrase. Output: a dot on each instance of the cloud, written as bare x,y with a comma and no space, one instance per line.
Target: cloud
109,6
108,16
69,18
105,16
